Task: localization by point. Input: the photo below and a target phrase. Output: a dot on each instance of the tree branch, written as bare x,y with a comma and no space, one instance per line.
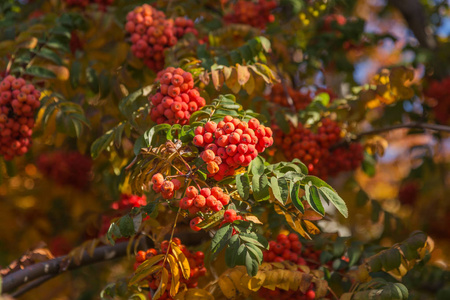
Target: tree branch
46,270
413,125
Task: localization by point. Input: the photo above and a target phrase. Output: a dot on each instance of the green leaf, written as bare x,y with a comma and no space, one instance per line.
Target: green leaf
92,79
251,264
231,252
313,198
391,259
40,72
265,43
113,231
220,239
260,186
48,55
280,189
295,189
243,185
334,198
101,143
149,134
126,226
257,166
198,115
212,220
368,164
75,74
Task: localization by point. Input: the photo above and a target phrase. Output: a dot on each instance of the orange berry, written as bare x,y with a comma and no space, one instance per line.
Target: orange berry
158,179
212,167
191,191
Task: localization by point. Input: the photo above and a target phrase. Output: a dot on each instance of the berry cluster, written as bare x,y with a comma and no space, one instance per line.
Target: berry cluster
438,90
18,103
287,248
230,144
408,192
313,149
328,21
167,187
151,33
196,264
127,201
278,96
206,200
251,13
176,99
66,168
184,26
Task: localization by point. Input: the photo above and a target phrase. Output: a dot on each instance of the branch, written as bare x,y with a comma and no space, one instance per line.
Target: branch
46,270
415,125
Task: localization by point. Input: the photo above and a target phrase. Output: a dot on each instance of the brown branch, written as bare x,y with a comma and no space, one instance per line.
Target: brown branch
43,271
412,125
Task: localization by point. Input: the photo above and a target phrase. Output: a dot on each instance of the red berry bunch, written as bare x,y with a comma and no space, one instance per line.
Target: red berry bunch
127,201
439,90
408,192
183,26
286,248
251,13
206,201
196,264
313,149
66,168
18,103
333,18
176,98
230,144
167,187
278,96
151,33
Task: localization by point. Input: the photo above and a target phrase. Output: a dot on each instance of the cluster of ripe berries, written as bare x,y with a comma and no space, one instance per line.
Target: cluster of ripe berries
313,149
329,20
230,144
151,33
438,90
84,3
301,100
408,192
176,99
66,168
286,248
18,103
167,187
196,264
251,13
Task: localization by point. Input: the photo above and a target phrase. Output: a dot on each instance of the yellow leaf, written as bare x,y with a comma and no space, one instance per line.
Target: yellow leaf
250,85
182,260
227,287
311,228
243,74
321,288
27,43
144,269
162,285
175,275
217,78
194,294
236,275
232,82
252,218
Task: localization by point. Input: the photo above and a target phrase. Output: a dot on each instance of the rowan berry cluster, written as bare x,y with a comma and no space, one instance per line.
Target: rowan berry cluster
206,200
408,192
66,168
196,264
128,201
184,26
313,149
251,13
230,144
328,21
18,102
176,99
167,187
438,90
286,248
152,32
300,100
